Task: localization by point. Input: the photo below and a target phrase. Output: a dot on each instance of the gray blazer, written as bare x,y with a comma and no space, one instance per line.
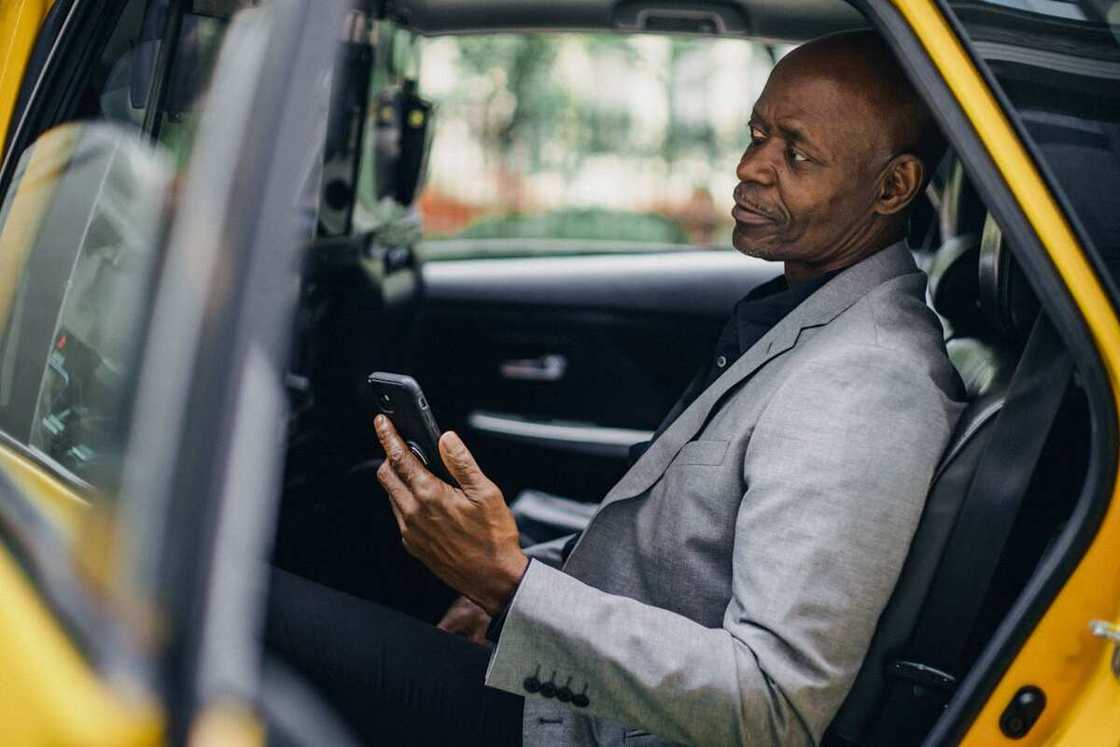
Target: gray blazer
726,591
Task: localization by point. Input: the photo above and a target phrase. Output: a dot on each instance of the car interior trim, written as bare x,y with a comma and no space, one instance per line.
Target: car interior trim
710,282
161,82
582,437
1065,63
765,20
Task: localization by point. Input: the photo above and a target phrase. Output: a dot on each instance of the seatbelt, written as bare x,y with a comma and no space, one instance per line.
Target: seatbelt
923,679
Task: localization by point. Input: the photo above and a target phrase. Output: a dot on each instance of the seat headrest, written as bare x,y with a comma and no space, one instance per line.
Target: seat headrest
962,211
1006,298
954,285
974,282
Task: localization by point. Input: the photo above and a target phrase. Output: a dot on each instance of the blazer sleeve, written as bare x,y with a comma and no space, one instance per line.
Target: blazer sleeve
837,469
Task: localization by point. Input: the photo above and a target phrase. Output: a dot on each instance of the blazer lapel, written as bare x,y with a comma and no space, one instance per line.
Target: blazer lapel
819,309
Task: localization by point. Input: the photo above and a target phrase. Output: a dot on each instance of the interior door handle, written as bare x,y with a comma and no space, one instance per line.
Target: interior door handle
549,367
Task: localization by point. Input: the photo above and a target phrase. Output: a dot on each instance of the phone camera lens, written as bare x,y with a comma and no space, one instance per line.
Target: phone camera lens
386,400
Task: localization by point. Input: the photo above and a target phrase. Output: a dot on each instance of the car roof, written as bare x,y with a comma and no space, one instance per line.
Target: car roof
773,20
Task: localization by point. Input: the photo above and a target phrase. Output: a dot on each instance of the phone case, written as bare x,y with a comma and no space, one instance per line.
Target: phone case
400,399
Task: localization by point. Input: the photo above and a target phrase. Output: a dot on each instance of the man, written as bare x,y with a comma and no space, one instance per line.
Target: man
729,585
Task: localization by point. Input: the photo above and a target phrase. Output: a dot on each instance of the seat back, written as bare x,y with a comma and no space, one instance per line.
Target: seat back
984,342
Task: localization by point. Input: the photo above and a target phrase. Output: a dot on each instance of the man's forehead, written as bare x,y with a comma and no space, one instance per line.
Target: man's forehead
805,94
807,108
816,104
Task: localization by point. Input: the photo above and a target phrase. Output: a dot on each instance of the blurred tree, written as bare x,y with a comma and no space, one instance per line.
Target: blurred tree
517,96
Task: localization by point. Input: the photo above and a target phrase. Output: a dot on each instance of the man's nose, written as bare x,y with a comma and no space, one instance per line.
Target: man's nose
757,165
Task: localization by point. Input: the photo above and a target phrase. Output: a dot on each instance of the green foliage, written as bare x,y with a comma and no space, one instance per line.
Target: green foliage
580,223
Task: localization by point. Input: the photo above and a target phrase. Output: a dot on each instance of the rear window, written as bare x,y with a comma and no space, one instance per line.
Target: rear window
547,141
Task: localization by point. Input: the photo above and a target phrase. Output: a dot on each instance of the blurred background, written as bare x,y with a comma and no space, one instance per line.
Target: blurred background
593,137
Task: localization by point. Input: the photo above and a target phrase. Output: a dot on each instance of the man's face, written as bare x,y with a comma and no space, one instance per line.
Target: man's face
808,178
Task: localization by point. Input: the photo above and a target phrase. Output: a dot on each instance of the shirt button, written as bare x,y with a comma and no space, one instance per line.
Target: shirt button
721,361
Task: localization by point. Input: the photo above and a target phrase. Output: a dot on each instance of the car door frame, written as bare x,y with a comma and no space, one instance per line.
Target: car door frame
1034,643
211,388
217,475
71,32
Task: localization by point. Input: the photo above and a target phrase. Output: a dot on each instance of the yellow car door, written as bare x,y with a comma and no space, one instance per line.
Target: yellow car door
20,24
127,615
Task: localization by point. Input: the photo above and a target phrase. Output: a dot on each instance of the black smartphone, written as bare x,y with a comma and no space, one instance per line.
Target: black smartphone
399,398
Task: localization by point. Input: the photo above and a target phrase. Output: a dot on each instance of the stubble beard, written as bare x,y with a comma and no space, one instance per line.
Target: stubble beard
770,252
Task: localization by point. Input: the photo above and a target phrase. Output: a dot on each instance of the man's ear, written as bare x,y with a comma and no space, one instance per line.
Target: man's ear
899,184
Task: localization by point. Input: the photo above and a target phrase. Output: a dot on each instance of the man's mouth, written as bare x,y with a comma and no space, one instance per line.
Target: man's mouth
746,213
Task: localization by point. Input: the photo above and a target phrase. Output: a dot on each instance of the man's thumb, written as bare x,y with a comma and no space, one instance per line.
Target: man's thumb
461,464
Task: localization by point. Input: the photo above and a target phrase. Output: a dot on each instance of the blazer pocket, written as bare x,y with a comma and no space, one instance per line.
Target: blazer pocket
702,452
637,736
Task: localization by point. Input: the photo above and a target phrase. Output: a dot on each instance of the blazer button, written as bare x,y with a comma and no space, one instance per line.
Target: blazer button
531,684
581,701
548,689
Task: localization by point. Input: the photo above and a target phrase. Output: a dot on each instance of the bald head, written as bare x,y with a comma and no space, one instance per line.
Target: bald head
861,65
840,147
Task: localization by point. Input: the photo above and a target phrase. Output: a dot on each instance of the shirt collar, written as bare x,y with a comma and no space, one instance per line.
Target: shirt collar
770,302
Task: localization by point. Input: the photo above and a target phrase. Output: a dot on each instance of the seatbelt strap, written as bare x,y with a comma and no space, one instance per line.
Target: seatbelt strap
976,543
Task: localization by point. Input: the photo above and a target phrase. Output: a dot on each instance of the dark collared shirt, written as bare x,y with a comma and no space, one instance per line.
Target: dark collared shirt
753,316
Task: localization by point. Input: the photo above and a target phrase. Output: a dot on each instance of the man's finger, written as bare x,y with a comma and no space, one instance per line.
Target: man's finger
461,464
400,458
400,497
396,514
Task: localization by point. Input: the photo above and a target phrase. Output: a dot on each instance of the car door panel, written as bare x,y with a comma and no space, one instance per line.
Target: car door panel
554,366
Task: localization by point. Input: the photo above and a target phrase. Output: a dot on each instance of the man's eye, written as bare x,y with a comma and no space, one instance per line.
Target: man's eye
757,135
796,157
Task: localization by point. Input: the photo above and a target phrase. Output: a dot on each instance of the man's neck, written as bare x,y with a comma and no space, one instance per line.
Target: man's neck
800,272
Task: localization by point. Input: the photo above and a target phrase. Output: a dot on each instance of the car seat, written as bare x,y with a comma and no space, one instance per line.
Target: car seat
988,310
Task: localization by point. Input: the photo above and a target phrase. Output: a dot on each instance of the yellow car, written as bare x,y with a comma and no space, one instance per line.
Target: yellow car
217,216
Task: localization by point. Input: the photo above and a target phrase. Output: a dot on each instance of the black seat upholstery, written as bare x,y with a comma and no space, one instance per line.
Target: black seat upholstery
970,281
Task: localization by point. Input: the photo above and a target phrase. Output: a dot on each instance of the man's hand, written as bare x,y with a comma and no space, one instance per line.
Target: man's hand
467,619
466,537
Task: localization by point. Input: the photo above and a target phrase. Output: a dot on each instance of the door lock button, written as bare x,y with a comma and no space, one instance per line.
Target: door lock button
1022,712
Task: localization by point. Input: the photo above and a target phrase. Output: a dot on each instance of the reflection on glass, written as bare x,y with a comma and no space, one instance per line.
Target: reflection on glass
71,337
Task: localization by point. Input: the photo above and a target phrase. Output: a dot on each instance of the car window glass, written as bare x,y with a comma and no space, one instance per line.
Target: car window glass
80,230
559,143
124,76
1059,65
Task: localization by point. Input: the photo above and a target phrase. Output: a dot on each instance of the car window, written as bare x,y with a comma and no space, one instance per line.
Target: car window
1058,63
550,143
80,234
